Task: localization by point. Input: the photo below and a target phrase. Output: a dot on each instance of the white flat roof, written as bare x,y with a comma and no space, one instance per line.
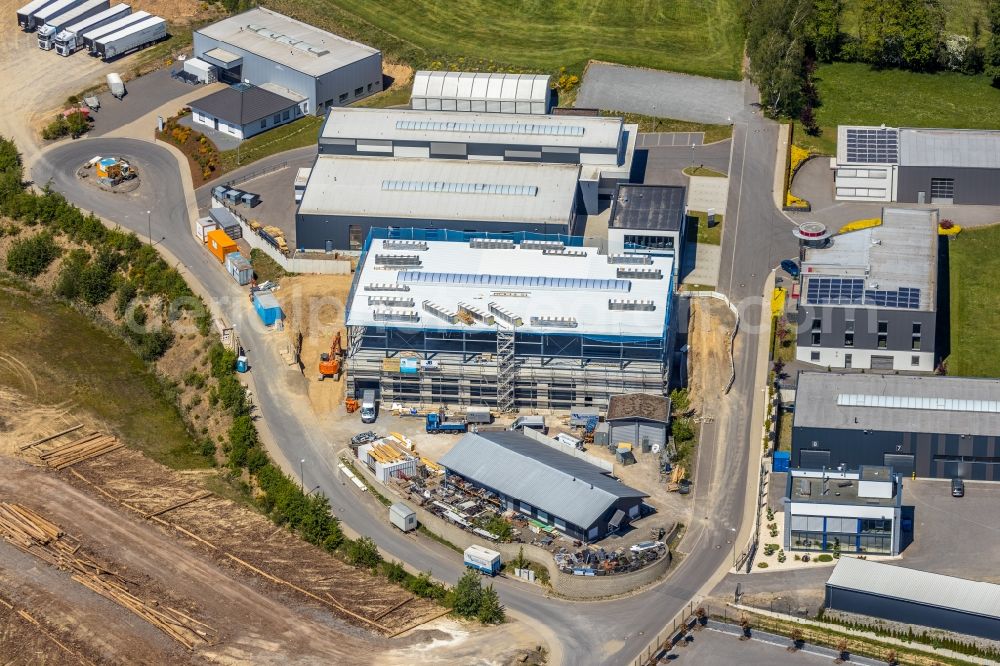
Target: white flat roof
469,127
288,42
523,282
481,85
426,189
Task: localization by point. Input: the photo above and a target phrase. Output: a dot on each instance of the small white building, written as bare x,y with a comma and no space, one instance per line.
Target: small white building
488,92
243,110
386,461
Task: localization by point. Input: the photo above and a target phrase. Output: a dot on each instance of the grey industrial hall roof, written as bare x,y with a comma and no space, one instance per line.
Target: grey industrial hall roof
288,42
652,207
919,587
545,478
949,148
898,403
639,405
242,104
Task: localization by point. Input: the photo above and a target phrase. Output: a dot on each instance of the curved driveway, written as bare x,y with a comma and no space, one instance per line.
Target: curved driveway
605,632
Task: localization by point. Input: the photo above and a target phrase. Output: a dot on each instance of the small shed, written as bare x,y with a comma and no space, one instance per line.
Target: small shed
267,307
202,228
220,244
403,517
239,268
640,419
201,70
249,199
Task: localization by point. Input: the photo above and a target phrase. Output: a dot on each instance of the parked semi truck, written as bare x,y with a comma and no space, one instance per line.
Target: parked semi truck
91,36
26,15
47,33
436,424
131,39
51,11
482,560
70,40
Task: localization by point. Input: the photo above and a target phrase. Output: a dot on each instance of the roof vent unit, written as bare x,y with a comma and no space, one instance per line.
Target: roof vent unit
555,322
506,316
408,260
386,286
491,244
630,259
510,294
392,244
641,273
805,487
285,39
563,252
476,313
631,304
541,245
440,312
390,301
396,315
318,51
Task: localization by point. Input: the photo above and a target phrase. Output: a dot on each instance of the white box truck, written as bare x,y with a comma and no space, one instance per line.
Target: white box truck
131,39
482,560
116,85
47,33
403,517
26,15
91,36
368,411
70,39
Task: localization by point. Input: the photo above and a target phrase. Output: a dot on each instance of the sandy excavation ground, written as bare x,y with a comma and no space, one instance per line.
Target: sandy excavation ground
709,365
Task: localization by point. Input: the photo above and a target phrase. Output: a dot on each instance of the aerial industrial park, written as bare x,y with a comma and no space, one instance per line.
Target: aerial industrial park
340,333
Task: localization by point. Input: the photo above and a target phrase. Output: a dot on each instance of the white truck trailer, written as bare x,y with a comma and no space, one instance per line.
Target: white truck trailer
26,14
47,33
116,85
482,559
90,36
131,39
403,517
43,15
70,39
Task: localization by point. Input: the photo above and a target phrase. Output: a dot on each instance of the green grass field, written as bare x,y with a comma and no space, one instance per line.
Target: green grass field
296,134
73,360
974,262
959,15
853,93
692,36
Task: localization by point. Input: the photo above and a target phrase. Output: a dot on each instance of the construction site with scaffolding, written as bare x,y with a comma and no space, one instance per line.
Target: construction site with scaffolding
512,322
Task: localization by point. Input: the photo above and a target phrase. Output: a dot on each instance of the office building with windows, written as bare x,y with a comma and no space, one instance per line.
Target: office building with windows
931,426
917,165
832,510
649,219
868,298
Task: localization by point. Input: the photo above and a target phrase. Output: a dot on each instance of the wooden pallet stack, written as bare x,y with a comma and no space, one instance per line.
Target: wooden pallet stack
93,445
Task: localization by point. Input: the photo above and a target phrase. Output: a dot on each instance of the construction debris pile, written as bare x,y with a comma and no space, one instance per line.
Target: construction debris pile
600,562
62,455
43,539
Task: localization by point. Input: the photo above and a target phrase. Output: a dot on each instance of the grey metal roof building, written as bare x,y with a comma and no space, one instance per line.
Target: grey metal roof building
544,483
488,92
262,46
915,597
244,106
932,425
640,419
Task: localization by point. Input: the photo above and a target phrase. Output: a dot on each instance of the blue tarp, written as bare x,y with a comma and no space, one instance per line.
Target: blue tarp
781,462
267,307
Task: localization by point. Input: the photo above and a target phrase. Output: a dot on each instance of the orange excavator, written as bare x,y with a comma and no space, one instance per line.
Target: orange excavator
330,364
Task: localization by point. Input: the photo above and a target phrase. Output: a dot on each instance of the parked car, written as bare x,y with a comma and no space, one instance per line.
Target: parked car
957,487
790,267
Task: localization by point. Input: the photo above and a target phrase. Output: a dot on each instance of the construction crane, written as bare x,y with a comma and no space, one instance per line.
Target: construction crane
330,364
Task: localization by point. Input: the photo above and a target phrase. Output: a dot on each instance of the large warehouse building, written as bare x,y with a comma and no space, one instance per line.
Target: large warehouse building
346,196
915,597
506,322
543,483
316,68
914,165
484,92
933,426
604,146
869,298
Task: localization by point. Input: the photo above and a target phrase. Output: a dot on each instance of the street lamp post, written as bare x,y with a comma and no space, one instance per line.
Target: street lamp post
733,530
302,481
149,227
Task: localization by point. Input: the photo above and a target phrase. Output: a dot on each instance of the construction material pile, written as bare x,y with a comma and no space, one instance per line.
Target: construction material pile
93,445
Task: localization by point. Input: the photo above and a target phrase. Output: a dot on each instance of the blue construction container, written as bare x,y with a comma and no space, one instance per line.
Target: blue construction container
267,307
241,364
781,462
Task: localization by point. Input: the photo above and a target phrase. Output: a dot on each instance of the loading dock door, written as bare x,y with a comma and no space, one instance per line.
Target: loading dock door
899,462
814,459
881,363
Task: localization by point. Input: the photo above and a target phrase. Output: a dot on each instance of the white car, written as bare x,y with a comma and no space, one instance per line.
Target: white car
644,546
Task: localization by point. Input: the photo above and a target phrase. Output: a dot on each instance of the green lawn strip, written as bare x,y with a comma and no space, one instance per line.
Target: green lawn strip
265,268
706,234
704,36
856,94
974,262
399,96
71,359
647,124
704,172
296,134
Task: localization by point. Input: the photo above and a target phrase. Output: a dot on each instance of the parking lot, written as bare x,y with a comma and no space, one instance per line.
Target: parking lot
715,648
144,95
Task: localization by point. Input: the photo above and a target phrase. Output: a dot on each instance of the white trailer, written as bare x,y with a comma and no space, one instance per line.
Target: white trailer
403,517
90,36
116,85
47,33
42,16
70,39
26,14
131,39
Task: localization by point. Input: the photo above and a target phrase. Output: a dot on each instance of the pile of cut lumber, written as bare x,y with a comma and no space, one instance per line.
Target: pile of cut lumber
93,445
26,528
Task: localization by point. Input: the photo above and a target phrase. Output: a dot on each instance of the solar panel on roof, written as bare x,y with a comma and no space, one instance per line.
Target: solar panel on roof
873,145
458,188
491,128
851,291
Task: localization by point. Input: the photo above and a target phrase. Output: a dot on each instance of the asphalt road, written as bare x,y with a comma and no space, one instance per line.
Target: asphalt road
588,632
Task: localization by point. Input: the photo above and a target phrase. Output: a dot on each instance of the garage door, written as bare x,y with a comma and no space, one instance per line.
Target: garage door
814,459
900,463
881,363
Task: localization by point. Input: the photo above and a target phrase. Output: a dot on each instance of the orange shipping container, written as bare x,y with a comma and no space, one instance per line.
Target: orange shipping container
220,244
